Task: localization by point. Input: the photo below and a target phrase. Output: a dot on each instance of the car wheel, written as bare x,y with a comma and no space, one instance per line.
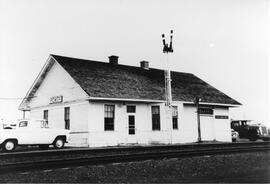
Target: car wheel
9,145
43,146
59,143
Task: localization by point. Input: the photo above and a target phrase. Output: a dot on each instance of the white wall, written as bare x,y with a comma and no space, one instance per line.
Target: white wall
87,125
143,125
211,128
78,120
186,132
187,125
59,82
222,126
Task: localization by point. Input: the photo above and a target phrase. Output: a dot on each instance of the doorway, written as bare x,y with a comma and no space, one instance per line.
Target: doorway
131,130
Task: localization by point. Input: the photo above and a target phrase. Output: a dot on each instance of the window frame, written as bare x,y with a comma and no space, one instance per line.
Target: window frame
46,117
109,121
67,118
155,118
131,106
175,117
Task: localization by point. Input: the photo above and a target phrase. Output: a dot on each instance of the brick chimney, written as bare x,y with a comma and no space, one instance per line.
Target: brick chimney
113,60
145,65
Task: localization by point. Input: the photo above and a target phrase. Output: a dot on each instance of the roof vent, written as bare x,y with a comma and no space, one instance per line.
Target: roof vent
145,65
113,59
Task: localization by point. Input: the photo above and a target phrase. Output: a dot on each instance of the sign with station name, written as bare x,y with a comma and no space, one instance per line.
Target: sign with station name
221,117
56,99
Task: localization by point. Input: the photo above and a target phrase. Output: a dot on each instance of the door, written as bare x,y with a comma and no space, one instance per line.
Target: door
207,128
131,130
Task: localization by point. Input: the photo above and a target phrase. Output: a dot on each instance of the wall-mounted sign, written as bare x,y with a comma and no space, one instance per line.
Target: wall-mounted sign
56,99
221,117
206,111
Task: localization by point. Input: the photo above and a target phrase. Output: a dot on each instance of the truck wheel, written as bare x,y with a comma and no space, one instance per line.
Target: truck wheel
43,146
59,143
9,145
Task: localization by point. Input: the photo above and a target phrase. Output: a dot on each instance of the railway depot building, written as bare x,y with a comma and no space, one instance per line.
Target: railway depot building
110,104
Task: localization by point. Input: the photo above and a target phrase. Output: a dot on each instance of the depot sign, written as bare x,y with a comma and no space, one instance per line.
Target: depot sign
56,99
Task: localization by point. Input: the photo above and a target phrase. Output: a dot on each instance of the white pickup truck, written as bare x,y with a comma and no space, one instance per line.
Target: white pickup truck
33,132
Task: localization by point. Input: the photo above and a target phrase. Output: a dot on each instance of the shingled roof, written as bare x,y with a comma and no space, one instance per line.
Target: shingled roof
105,80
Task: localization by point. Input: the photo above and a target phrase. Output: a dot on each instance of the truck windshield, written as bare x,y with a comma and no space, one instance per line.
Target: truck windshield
23,124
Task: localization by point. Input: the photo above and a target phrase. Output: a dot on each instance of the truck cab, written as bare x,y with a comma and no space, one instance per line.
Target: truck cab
33,132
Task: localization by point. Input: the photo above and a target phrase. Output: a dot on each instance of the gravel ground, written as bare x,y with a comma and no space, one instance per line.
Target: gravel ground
244,167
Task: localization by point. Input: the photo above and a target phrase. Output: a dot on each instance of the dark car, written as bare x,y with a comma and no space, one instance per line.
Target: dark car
249,130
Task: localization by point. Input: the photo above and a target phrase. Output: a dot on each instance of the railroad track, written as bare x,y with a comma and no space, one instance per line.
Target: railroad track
64,152
130,157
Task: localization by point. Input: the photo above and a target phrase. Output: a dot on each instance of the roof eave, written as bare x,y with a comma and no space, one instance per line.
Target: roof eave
125,99
156,101
215,104
27,96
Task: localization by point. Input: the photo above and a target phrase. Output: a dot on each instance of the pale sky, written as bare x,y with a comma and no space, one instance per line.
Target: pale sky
224,42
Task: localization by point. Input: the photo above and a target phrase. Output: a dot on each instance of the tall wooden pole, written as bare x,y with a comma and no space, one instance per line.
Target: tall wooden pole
168,94
197,101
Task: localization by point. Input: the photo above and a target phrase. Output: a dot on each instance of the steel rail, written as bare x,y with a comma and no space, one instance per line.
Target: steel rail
119,158
70,151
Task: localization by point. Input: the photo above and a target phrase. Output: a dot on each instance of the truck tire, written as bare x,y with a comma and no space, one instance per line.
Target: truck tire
59,143
9,145
252,135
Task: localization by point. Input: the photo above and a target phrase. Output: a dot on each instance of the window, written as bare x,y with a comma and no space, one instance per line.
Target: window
131,108
155,118
46,117
23,124
42,123
67,118
175,117
108,117
244,123
235,124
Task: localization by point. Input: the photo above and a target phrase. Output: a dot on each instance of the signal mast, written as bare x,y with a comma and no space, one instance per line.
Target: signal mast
168,89
166,50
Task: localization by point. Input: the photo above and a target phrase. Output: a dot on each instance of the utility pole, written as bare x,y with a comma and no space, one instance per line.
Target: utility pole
197,101
168,89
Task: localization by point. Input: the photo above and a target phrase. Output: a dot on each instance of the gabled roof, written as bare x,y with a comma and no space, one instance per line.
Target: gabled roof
105,80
